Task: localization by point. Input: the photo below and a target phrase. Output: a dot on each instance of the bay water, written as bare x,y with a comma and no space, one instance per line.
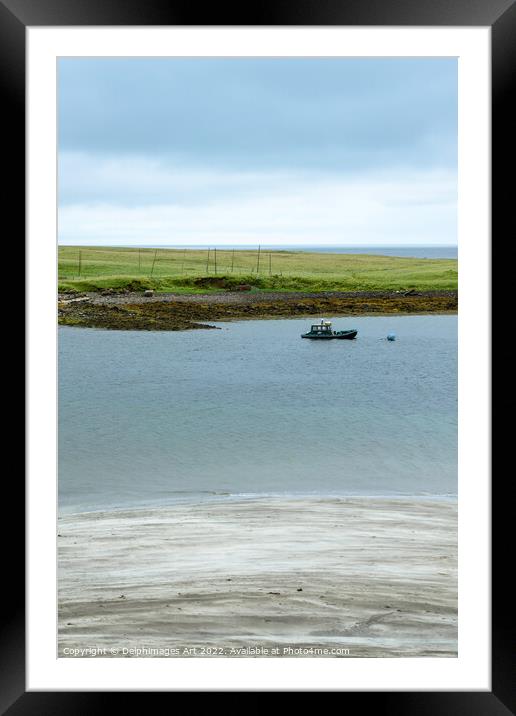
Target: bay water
151,418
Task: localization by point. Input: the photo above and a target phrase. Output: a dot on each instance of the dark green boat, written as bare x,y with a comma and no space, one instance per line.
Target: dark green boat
323,331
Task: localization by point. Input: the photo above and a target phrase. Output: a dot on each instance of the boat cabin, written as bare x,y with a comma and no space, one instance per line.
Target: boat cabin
322,328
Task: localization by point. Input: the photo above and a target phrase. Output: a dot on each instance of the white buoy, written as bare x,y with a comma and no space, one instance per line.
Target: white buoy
391,337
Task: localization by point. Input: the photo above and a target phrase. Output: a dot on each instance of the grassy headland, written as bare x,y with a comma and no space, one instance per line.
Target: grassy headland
85,269
104,287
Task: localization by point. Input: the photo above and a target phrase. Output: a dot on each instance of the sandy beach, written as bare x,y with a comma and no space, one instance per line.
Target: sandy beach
268,577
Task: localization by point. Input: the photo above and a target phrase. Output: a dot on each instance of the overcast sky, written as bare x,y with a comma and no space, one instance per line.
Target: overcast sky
247,151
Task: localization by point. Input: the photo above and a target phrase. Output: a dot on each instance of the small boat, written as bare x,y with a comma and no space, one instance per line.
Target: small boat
323,331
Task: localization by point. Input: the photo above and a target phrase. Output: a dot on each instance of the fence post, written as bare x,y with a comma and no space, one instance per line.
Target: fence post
153,261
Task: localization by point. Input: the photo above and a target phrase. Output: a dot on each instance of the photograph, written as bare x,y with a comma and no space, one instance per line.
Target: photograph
257,307
259,420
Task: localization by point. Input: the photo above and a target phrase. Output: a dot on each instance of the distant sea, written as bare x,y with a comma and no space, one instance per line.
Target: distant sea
419,252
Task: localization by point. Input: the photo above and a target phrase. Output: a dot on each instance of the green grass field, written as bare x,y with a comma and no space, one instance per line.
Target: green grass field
194,271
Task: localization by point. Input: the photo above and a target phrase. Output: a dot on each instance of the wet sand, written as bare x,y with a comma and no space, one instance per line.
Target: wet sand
274,577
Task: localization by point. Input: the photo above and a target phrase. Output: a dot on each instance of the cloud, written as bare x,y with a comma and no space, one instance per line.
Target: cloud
163,206
326,113
284,151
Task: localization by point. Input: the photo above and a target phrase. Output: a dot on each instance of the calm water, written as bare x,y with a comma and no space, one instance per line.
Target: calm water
418,252
151,417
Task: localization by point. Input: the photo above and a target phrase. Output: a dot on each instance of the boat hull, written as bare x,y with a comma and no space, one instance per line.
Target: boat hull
342,335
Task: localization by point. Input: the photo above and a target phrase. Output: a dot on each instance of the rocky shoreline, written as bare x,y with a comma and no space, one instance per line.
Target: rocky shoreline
176,312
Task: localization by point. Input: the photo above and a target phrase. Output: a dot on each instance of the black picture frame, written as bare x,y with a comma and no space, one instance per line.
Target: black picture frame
500,16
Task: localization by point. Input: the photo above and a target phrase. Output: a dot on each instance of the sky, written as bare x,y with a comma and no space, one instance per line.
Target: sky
246,151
